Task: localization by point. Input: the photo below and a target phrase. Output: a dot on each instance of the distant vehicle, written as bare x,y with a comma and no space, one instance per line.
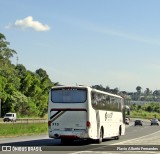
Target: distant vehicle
127,121
10,117
154,122
138,122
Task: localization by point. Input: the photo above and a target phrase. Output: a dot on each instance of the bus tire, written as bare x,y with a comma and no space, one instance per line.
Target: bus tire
100,136
119,134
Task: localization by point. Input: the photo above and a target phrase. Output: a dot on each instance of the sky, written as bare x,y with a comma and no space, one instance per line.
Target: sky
114,43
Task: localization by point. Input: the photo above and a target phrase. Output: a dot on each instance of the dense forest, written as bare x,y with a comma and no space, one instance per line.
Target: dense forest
26,92
21,90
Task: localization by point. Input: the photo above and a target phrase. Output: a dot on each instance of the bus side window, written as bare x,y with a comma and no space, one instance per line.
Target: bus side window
108,99
92,96
93,99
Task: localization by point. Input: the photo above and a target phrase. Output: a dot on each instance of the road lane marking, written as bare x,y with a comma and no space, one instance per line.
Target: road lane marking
135,138
119,143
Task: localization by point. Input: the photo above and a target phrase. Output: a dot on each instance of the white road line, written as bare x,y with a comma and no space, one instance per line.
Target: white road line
78,152
91,150
135,138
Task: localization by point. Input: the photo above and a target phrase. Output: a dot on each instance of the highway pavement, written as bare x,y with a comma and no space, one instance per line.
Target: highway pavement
141,139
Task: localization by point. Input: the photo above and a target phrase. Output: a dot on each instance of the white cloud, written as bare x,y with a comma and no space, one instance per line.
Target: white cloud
28,22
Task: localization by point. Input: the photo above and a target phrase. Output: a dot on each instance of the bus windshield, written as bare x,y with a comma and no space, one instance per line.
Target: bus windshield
69,95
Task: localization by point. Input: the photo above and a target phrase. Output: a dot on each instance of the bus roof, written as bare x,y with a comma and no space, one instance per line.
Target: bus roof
103,92
70,86
88,87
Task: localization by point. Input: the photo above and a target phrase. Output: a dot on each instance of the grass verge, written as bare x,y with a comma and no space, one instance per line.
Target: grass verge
20,129
144,114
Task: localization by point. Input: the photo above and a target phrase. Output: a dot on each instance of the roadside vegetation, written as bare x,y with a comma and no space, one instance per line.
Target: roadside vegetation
145,115
18,129
146,111
21,90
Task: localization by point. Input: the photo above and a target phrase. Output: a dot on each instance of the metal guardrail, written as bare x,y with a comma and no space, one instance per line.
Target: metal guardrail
28,120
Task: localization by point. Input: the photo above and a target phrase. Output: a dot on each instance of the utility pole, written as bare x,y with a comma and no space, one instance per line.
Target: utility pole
17,60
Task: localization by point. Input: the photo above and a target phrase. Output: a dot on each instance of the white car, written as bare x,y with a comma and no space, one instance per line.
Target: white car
10,117
154,122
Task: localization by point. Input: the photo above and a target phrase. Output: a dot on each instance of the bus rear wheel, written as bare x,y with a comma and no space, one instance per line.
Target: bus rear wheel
119,134
100,137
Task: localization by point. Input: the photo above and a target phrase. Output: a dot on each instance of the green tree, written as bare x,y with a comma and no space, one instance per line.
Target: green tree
149,108
42,73
115,90
21,71
147,92
26,83
21,90
138,88
5,51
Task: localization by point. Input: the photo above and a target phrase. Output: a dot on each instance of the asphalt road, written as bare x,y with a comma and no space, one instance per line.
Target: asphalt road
135,135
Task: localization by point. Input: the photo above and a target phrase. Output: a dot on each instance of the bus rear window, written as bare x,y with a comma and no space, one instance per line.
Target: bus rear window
69,95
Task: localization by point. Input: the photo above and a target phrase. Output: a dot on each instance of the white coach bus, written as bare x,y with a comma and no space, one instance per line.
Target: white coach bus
81,112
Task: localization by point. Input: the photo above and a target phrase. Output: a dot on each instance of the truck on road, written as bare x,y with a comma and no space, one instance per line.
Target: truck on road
10,117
